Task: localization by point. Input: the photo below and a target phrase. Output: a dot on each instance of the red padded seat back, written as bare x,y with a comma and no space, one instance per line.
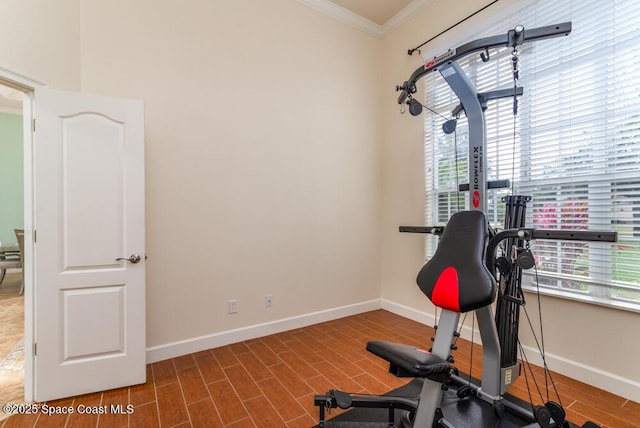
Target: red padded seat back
456,277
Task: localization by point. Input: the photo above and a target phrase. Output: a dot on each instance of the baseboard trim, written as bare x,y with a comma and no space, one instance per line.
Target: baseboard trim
607,381
197,344
593,376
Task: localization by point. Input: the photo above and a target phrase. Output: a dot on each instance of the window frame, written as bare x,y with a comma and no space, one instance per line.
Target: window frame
599,291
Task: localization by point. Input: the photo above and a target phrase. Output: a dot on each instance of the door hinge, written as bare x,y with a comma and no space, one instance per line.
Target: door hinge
33,126
35,349
34,237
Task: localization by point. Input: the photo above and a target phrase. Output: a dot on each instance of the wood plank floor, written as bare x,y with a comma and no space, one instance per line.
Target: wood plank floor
11,339
270,382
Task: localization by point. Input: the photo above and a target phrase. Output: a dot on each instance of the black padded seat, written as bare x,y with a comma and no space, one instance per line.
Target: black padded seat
456,277
409,361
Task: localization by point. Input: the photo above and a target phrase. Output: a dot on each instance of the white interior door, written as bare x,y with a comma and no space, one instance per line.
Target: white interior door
88,212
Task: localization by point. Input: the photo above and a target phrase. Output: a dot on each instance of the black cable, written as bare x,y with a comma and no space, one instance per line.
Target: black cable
455,339
513,155
524,359
411,51
540,347
457,191
535,338
430,109
544,360
455,142
473,328
546,368
516,76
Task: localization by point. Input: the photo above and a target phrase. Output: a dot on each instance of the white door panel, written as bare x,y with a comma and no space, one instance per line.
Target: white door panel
92,190
89,211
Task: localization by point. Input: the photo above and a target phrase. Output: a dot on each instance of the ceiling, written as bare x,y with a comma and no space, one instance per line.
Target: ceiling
376,17
378,11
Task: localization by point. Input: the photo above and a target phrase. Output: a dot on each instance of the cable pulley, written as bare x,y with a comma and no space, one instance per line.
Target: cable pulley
415,108
449,127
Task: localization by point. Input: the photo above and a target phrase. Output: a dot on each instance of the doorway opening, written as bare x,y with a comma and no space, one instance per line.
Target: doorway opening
12,189
94,317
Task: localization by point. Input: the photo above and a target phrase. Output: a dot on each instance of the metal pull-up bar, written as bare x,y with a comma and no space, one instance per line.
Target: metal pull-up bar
512,39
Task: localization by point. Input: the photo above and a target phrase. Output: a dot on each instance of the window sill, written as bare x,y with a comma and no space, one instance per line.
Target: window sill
584,298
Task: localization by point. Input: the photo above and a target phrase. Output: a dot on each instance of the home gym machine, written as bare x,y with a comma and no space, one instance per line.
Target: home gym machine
466,274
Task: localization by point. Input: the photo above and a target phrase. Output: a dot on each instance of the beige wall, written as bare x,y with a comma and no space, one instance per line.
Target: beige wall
41,40
270,130
583,334
262,150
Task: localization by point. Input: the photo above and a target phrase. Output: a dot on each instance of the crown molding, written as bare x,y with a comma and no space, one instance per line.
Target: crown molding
345,16
363,24
408,12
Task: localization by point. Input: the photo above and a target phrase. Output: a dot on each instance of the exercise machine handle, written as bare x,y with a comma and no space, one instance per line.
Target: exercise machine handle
528,234
512,39
435,230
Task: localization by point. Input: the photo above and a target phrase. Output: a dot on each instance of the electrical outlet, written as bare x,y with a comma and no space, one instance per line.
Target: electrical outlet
268,301
233,306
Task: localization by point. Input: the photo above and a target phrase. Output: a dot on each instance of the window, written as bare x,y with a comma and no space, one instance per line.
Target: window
574,146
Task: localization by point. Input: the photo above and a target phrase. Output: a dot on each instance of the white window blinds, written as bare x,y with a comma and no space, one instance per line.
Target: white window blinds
574,146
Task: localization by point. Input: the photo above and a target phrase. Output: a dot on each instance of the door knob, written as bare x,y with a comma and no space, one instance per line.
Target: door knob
134,258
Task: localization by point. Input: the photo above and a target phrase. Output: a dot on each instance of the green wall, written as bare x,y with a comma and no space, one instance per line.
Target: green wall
11,177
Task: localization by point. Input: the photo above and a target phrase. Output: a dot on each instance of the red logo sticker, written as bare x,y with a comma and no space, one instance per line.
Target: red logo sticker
429,64
476,199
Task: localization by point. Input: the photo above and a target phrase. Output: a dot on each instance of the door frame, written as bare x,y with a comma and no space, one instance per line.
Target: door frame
27,86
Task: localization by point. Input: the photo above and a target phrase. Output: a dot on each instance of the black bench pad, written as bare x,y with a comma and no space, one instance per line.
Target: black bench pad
409,361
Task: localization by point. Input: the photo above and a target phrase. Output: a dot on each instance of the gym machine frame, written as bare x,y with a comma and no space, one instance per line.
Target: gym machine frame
495,378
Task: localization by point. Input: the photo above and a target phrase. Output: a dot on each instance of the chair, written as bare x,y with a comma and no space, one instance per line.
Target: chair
13,260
